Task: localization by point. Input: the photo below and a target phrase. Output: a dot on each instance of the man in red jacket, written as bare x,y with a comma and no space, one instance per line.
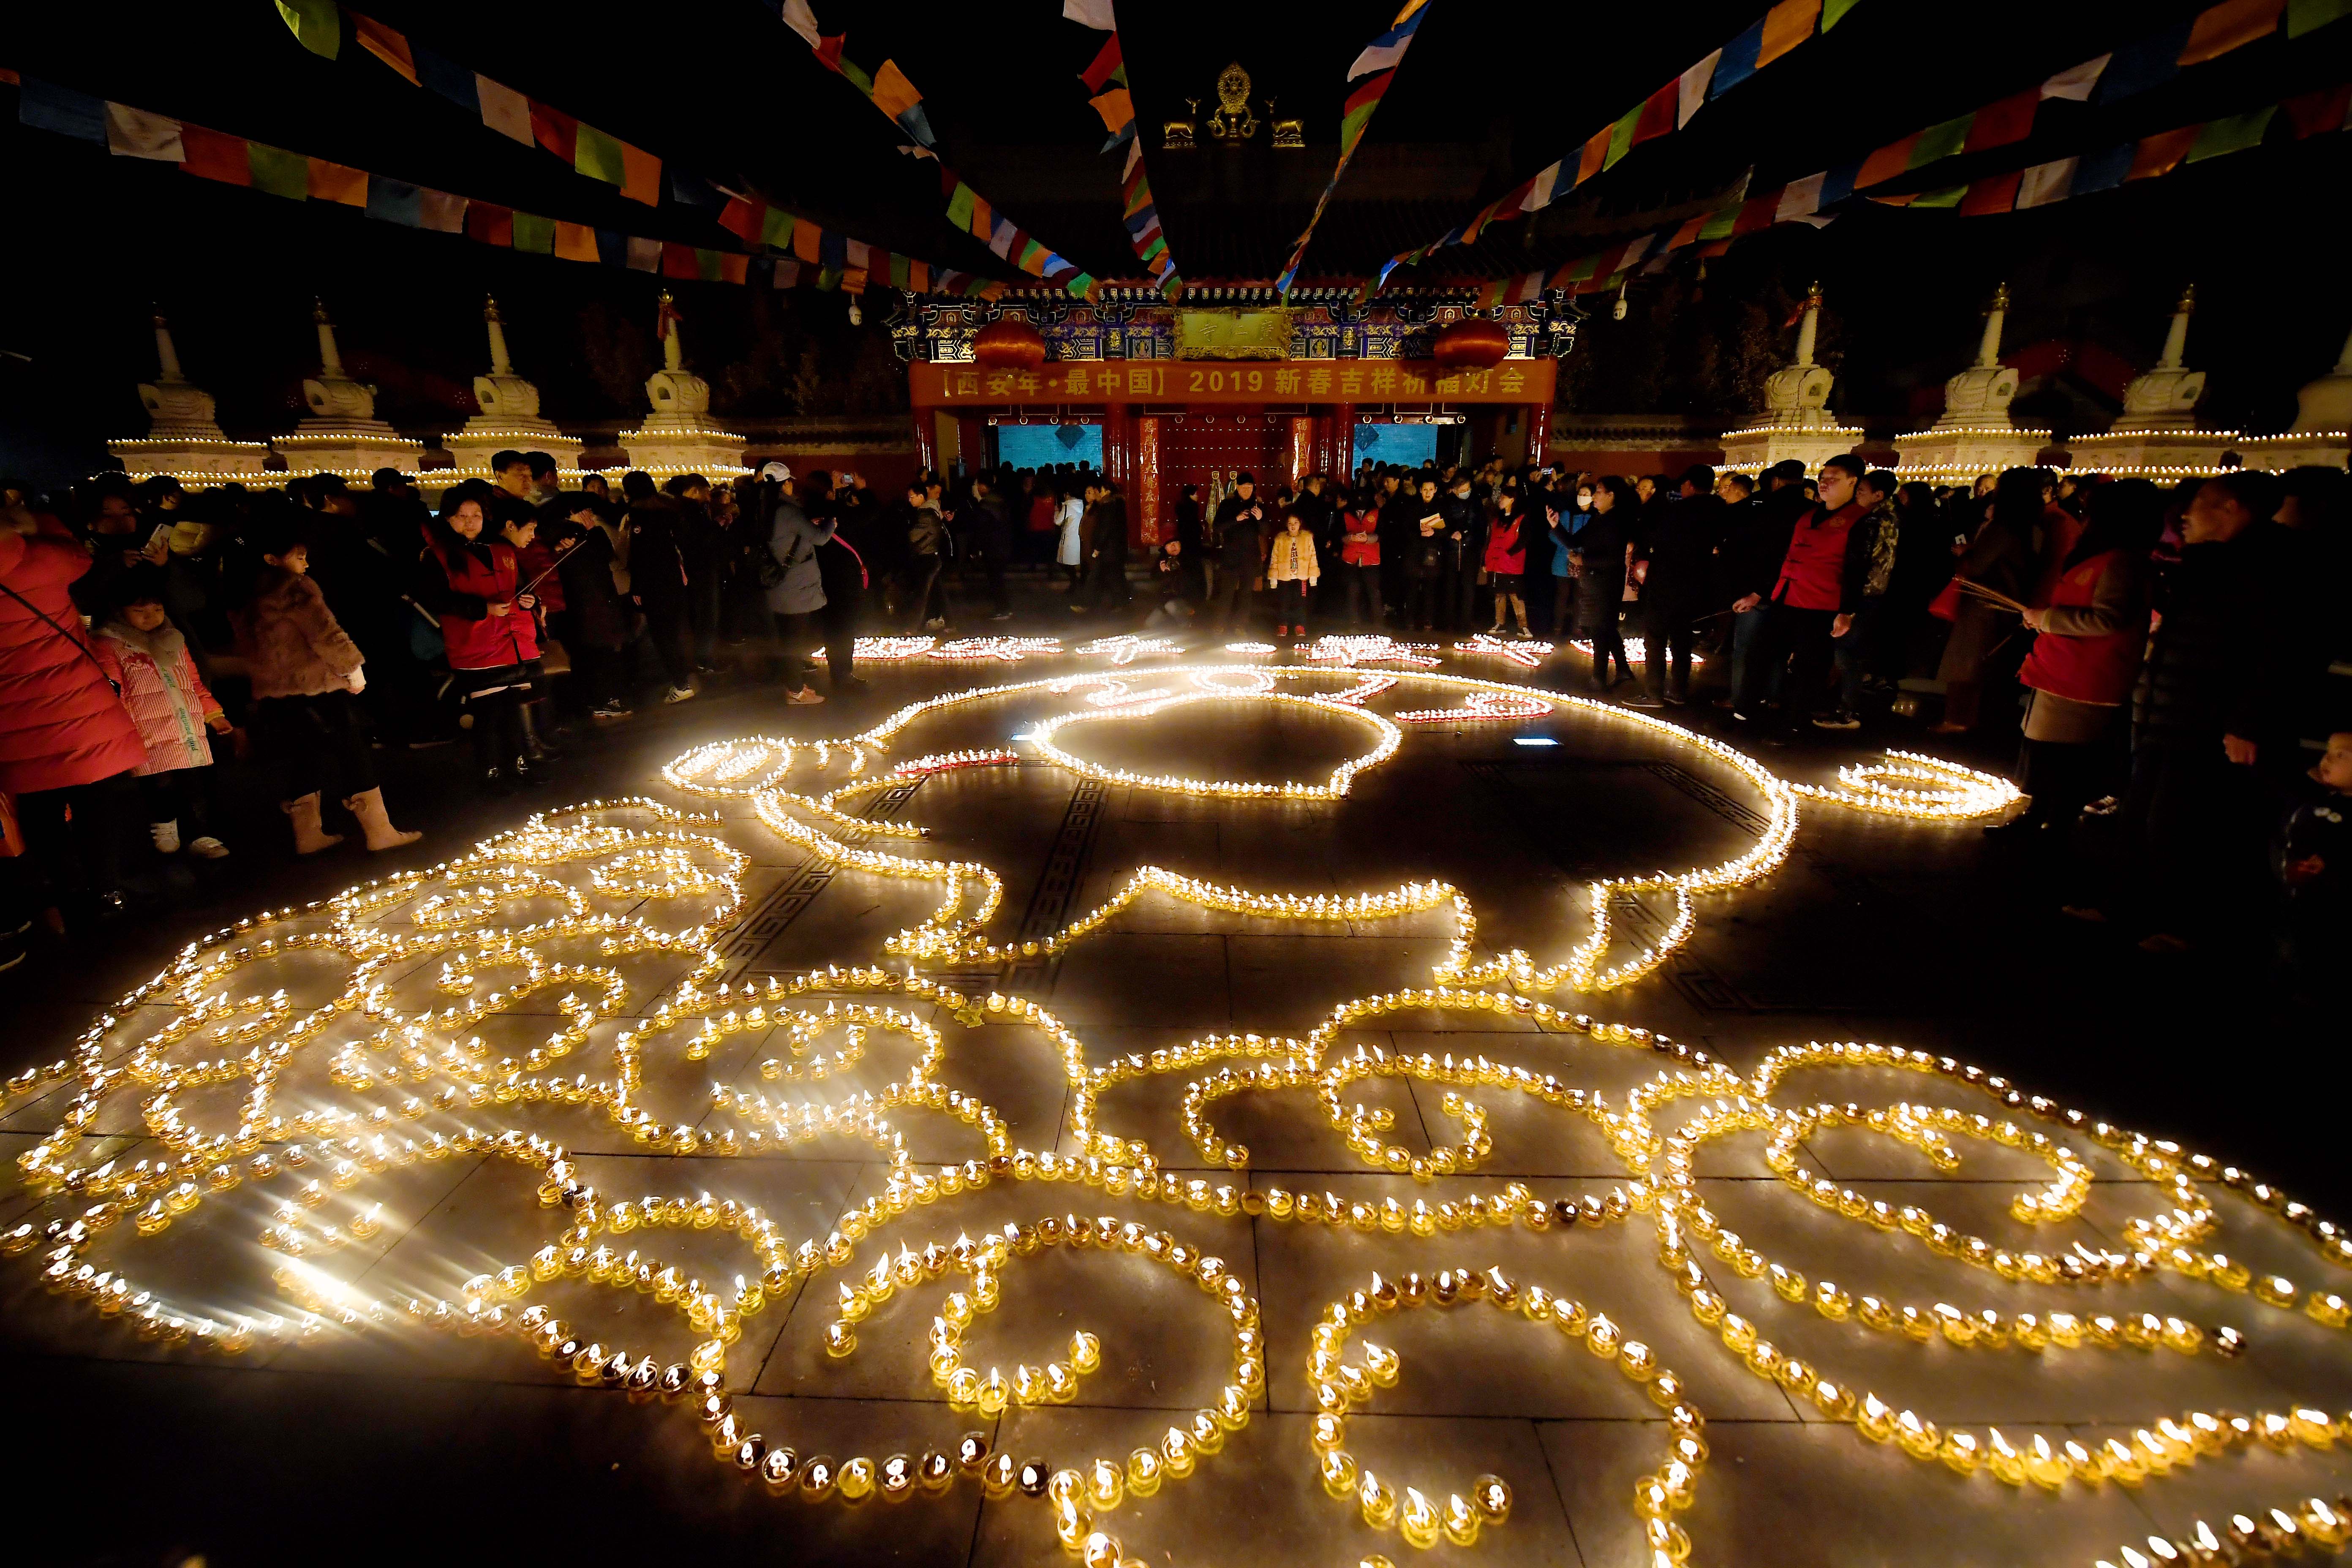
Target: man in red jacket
1812,599
67,742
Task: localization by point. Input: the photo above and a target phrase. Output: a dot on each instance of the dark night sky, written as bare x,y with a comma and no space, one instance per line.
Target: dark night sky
1491,93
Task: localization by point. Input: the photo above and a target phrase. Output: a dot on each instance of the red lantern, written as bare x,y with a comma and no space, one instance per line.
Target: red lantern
1008,344
1471,343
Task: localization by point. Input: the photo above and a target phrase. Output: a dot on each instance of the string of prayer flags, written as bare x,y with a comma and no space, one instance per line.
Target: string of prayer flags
1376,68
889,90
2162,152
1106,81
834,261
1771,37
320,27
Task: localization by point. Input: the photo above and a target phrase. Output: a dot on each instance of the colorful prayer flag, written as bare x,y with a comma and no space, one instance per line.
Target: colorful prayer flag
385,45
135,133
337,183
317,25
278,172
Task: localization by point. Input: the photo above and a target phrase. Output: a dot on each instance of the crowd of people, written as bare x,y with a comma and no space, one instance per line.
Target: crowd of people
2159,657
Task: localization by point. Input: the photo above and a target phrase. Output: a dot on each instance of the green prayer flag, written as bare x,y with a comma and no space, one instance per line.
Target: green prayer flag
1940,141
1950,196
899,276
828,278
705,262
776,229
1158,242
1620,136
1079,284
598,156
960,205
858,78
534,233
317,24
2310,15
1833,12
2234,134
278,172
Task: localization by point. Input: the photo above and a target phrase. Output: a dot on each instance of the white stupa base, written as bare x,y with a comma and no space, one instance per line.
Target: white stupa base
2297,449
211,459
1964,451
483,439
1760,447
2175,453
354,449
666,449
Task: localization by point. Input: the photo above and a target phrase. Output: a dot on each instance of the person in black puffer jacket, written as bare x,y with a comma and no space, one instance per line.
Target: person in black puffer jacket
2204,693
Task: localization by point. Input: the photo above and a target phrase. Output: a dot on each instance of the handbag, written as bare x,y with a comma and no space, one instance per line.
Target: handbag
1946,605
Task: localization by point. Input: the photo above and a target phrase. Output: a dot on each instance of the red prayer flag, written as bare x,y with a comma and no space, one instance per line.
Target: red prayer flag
1657,112
2314,112
1999,124
1105,62
742,219
1756,213
679,260
214,155
490,224
732,268
557,132
1993,194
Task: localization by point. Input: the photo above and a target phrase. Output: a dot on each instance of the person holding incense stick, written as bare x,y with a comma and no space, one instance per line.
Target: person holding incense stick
1999,561
2086,657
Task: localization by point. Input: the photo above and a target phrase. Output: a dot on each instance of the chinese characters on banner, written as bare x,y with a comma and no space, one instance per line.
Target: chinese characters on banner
1181,380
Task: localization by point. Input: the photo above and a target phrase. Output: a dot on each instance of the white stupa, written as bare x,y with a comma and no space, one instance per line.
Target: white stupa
2156,436
183,440
1976,434
678,437
342,434
508,420
2321,436
1796,422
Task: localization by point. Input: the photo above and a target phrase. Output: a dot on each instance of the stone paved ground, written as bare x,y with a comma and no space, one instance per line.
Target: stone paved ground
409,1444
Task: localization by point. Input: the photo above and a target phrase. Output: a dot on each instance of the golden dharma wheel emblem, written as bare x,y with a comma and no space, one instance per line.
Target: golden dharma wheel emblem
1234,119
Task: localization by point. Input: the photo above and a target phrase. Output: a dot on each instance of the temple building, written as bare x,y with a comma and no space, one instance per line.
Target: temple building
509,420
1183,394
183,439
678,437
342,434
1796,422
1976,434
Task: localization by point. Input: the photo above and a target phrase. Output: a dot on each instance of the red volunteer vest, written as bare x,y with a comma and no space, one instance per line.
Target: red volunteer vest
1812,575
2097,670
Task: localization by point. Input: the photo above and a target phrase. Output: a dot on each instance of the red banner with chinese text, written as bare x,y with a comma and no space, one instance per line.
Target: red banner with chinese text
934,385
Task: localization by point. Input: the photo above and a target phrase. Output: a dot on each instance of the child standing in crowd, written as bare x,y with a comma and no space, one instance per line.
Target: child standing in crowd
306,679
146,656
1290,567
2315,865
